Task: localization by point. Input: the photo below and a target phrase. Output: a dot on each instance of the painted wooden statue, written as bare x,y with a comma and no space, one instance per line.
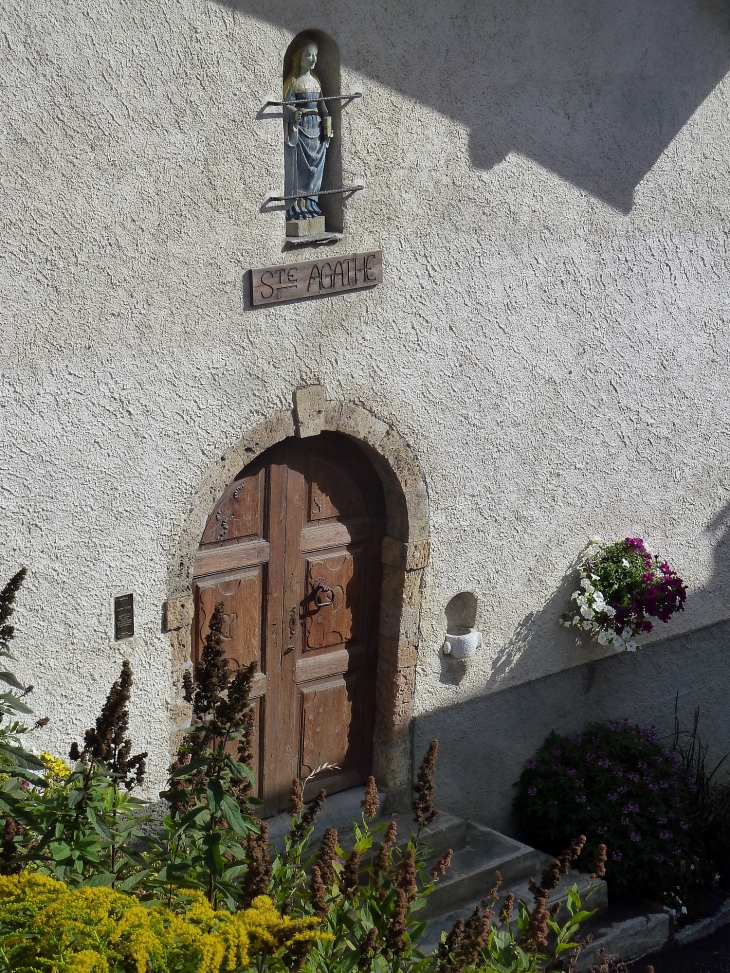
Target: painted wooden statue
307,134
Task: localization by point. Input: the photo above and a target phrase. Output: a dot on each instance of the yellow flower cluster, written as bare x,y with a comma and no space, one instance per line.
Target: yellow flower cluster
45,926
56,769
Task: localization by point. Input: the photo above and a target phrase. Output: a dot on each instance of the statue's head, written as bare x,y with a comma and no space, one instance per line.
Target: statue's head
305,57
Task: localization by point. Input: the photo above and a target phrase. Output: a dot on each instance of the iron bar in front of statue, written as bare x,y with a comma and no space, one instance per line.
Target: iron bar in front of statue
320,192
280,104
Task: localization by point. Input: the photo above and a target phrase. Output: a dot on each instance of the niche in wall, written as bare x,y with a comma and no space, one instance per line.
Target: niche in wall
461,613
327,71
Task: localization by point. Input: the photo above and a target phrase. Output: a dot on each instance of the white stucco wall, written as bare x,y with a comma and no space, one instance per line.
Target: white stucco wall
550,192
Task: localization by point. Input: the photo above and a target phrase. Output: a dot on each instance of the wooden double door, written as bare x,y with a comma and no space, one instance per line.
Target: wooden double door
293,551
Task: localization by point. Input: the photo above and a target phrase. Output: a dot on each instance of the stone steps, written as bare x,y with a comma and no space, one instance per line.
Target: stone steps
479,854
596,900
475,865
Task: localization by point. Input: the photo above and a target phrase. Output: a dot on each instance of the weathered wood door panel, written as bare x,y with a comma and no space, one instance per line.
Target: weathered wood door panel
293,552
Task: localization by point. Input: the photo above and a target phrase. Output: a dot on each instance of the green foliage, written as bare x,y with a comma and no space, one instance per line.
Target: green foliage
369,902
618,785
14,757
210,828
46,926
83,830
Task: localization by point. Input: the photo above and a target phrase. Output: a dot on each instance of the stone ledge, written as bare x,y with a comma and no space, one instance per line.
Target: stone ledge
704,927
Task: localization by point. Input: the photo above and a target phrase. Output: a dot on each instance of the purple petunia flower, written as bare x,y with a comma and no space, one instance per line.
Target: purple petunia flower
556,751
530,764
635,836
532,791
616,855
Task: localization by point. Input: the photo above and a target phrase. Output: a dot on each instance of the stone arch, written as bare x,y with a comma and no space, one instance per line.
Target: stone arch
405,557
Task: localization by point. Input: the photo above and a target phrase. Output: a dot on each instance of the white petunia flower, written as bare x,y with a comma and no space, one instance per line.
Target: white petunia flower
603,637
627,632
586,612
587,626
631,646
625,563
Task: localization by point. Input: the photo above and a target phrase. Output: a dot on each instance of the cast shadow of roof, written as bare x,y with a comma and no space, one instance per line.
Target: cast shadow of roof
594,90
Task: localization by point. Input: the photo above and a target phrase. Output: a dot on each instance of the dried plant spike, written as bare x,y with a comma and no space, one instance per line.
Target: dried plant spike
296,805
552,874
370,803
317,889
382,859
108,741
7,607
407,874
369,947
598,863
505,913
310,814
351,875
424,808
327,855
441,865
395,932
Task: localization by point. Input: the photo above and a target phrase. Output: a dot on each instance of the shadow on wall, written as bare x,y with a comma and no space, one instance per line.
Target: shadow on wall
484,742
594,90
520,655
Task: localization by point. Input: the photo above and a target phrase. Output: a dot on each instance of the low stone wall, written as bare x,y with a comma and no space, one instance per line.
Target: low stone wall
484,742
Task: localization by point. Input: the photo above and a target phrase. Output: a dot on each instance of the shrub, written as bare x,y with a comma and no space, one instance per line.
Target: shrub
616,784
46,925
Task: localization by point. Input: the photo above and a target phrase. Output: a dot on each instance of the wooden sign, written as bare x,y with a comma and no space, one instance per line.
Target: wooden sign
315,278
123,617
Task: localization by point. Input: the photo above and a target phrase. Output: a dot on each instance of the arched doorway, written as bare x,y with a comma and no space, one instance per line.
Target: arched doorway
293,551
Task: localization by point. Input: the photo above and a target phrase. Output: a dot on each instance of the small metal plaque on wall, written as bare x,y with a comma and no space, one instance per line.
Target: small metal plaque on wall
316,278
123,617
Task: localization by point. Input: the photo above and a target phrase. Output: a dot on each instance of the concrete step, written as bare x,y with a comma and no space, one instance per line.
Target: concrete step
597,899
341,810
474,869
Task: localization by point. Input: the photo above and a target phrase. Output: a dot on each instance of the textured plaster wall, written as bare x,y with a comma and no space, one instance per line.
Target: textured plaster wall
550,193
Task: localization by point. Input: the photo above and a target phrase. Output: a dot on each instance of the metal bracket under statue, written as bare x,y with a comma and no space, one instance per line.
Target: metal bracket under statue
270,103
345,191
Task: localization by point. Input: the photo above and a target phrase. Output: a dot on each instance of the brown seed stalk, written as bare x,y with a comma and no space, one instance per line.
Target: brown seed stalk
425,810
441,865
370,802
316,887
296,805
505,913
326,856
351,876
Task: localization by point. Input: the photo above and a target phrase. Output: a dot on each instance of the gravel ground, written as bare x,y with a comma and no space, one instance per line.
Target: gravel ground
710,955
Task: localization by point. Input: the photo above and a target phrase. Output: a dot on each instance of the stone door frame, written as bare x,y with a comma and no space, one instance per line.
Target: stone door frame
405,557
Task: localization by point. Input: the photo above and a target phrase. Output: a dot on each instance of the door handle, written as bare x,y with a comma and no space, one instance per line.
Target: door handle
323,594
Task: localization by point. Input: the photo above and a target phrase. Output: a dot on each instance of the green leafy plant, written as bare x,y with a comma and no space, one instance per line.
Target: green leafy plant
15,759
85,827
210,835
617,784
534,940
368,898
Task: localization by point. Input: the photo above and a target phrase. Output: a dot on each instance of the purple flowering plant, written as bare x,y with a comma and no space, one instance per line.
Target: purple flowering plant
622,587
619,785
